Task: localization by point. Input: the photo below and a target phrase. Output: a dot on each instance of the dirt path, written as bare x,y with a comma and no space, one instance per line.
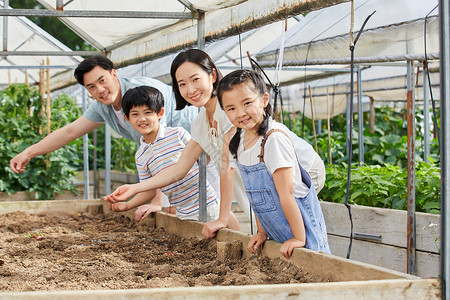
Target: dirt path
84,252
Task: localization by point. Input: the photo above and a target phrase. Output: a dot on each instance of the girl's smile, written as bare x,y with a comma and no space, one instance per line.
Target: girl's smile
244,107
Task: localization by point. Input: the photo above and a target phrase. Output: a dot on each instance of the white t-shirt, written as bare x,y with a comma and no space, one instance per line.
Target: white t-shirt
278,153
211,140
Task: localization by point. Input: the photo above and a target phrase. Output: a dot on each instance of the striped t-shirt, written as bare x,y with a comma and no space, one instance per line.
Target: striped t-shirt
165,152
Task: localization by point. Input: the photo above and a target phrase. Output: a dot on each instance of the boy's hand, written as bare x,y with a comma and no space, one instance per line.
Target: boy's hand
288,246
118,206
122,193
210,228
256,241
143,211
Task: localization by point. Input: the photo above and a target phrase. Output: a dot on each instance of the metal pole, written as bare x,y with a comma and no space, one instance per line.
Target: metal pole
426,116
347,118
5,26
85,153
411,222
444,34
360,119
202,159
94,165
107,159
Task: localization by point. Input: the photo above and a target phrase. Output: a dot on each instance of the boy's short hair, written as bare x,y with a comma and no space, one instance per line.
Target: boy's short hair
90,63
142,96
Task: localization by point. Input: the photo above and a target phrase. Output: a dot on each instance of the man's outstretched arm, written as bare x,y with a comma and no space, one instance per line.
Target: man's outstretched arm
55,140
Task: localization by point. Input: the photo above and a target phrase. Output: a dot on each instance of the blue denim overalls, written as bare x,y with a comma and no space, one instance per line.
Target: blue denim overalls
265,202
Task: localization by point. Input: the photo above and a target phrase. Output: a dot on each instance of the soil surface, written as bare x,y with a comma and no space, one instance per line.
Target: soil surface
84,252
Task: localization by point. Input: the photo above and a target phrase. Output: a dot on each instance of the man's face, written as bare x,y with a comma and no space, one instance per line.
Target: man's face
103,85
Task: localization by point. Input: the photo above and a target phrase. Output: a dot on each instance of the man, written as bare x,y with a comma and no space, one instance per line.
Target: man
100,78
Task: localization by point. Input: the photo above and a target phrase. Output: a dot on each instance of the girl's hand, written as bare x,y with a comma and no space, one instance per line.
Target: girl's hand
256,241
122,193
288,246
118,206
210,228
143,211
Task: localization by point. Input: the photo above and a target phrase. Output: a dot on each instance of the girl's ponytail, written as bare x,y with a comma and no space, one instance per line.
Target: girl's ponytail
234,143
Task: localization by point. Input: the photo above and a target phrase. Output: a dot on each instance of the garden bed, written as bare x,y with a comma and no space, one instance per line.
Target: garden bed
152,257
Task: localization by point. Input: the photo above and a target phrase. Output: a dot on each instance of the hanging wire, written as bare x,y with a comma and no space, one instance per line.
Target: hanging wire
350,141
428,76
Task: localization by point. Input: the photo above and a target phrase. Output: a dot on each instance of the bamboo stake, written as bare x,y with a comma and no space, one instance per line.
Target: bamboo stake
329,133
9,76
26,77
41,92
312,117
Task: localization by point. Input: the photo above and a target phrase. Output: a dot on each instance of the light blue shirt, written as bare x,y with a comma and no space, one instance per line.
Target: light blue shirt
100,113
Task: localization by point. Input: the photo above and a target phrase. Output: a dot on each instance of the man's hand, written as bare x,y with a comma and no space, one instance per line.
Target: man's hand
122,193
288,246
210,228
256,241
19,162
143,211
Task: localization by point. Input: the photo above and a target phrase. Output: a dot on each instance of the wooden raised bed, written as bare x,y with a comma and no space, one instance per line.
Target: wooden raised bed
354,280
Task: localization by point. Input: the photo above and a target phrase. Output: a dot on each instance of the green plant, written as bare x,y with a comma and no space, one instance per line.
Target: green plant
21,125
384,186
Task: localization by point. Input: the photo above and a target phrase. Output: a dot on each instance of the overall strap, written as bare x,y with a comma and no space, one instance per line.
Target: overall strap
263,142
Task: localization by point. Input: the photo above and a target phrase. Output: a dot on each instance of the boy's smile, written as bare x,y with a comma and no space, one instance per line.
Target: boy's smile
145,121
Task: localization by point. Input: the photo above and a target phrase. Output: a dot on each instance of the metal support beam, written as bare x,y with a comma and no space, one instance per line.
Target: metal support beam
411,222
444,36
85,153
357,60
347,119
22,67
426,115
50,53
96,14
107,159
360,119
5,26
202,159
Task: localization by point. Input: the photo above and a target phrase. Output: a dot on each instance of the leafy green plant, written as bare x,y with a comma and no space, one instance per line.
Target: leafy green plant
21,125
384,186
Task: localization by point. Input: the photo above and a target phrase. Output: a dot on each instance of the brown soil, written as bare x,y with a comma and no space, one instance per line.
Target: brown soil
86,252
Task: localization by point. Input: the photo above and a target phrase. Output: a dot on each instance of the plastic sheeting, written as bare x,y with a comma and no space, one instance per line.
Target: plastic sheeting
24,35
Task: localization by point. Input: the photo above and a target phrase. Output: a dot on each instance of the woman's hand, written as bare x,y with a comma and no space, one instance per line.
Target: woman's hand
256,241
288,246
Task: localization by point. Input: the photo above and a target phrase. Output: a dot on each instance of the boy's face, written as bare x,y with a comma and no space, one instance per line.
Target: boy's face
103,85
145,121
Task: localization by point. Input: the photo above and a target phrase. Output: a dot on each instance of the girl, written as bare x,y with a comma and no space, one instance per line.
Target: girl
194,80
280,191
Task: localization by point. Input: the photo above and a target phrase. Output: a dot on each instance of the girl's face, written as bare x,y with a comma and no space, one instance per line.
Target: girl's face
244,107
195,85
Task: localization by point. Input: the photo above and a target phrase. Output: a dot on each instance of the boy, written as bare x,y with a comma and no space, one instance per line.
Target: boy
161,148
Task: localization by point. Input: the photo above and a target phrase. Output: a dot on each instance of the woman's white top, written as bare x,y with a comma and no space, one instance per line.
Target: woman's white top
211,140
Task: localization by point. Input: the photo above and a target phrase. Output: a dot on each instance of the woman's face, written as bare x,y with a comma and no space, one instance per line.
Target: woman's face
195,85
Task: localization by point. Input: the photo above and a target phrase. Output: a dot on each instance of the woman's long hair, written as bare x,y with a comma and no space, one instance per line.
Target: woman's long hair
200,58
